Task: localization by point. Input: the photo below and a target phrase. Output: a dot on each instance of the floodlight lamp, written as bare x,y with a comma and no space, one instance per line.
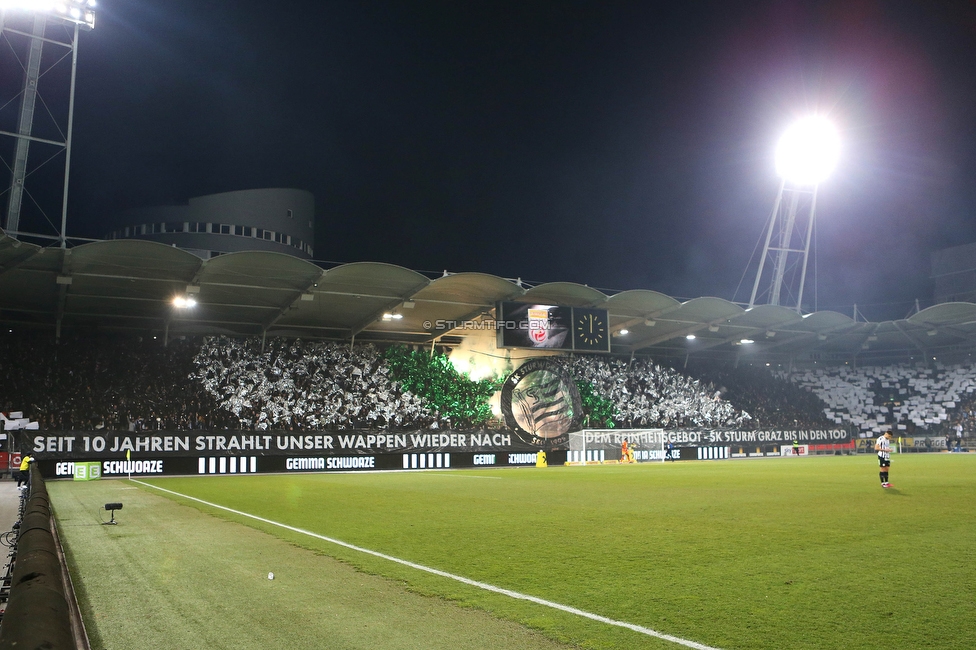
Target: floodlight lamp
808,151
72,11
184,302
746,341
691,337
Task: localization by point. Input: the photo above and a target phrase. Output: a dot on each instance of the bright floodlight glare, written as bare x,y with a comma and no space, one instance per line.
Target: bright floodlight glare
808,151
181,302
73,11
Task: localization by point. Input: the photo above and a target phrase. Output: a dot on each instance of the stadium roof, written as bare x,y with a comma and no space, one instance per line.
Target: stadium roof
130,285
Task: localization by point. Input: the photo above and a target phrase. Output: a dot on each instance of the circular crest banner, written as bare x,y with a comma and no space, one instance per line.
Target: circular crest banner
541,403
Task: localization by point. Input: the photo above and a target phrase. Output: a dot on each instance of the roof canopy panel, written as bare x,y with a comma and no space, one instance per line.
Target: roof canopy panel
681,320
259,270
447,304
822,321
640,303
767,316
105,306
131,258
23,290
371,279
706,309
13,252
949,313
351,297
569,294
129,284
471,289
46,260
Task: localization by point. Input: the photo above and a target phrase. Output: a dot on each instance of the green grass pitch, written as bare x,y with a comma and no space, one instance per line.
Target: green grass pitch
774,553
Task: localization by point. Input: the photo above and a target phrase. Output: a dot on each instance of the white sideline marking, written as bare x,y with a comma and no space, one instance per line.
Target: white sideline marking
444,574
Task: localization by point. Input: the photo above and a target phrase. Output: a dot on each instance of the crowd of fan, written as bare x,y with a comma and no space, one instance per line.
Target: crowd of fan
646,394
94,383
909,397
773,402
91,383
315,385
306,385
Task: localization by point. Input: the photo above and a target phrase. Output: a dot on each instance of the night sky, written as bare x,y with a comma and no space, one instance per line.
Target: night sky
623,145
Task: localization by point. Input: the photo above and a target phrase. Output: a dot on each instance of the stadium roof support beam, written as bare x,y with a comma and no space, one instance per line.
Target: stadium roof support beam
654,315
812,336
868,334
132,278
691,328
471,315
170,314
166,322
911,339
241,306
340,331
105,297
299,295
949,329
63,281
16,262
376,315
745,333
658,315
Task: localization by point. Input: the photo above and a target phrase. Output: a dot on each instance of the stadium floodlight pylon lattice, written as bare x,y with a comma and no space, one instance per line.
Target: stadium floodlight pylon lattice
37,15
597,446
805,156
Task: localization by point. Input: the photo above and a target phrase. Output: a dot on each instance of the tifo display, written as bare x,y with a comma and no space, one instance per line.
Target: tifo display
316,406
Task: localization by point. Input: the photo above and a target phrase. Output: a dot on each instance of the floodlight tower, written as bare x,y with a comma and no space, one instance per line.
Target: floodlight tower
805,156
38,15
